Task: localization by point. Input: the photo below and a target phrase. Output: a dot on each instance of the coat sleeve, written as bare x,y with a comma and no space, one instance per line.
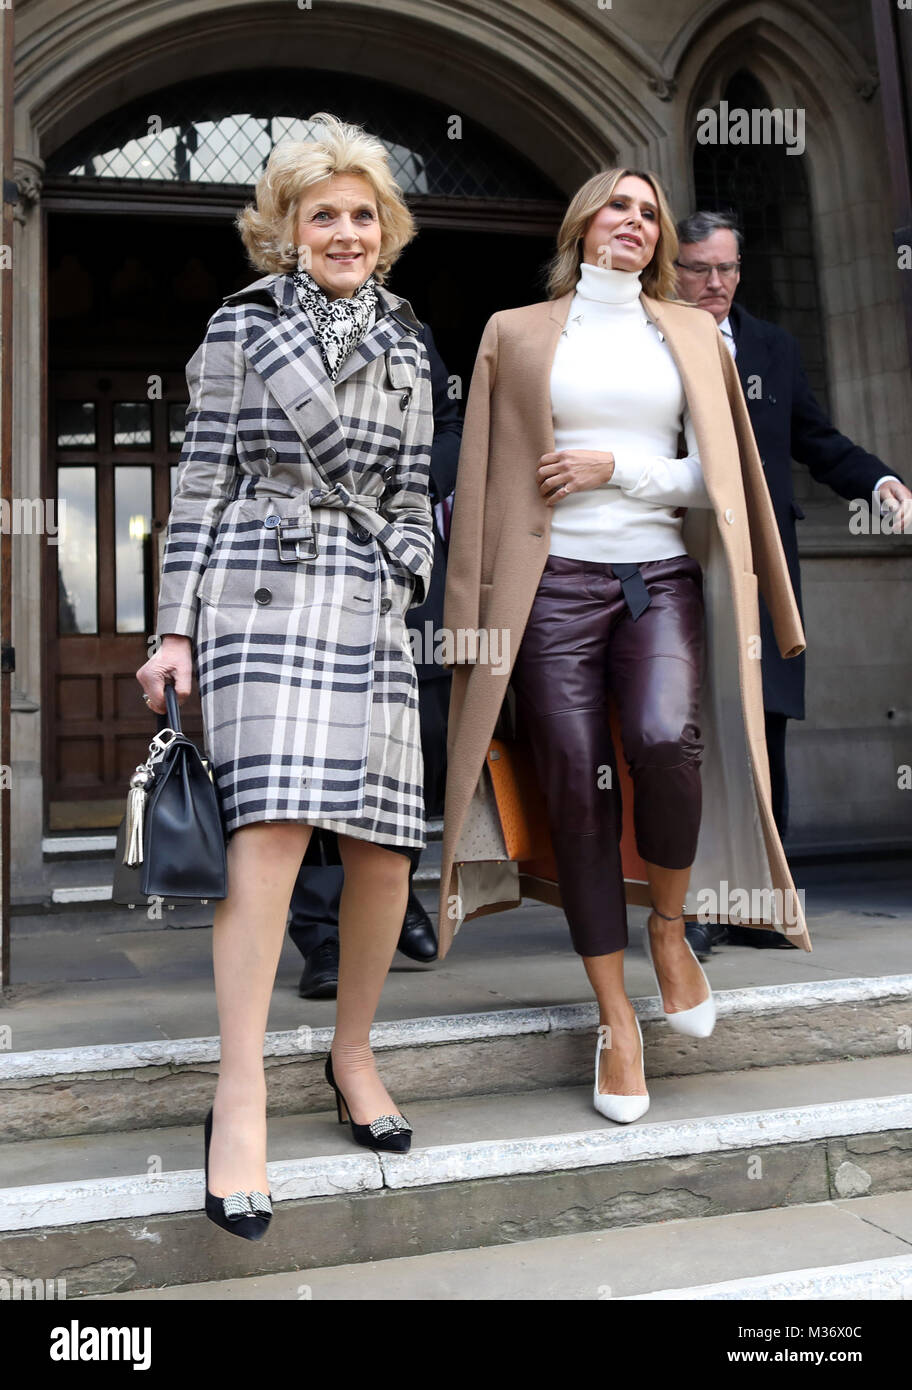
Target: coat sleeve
408,507
830,456
207,470
766,543
463,587
672,482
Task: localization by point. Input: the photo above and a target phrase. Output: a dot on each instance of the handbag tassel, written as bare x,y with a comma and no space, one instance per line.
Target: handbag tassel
136,804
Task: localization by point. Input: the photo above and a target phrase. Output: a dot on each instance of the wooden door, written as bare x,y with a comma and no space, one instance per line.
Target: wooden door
113,464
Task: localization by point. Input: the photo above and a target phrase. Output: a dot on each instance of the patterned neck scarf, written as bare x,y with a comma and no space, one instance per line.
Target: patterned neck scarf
340,324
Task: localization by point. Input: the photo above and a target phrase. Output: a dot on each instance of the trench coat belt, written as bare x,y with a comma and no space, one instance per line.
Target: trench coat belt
298,531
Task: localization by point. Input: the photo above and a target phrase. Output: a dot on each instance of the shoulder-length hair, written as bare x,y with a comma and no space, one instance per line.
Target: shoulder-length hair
268,229
657,278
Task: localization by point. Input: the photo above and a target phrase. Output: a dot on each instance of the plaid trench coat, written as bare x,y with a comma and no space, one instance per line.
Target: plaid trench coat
300,533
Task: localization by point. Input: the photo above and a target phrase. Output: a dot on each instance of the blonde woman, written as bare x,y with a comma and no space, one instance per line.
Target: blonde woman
611,518
300,533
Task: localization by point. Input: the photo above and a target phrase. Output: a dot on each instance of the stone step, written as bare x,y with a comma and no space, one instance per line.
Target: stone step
123,1210
847,1249
129,1086
66,848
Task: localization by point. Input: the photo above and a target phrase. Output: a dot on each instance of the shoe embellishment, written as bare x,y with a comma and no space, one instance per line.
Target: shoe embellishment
388,1124
241,1204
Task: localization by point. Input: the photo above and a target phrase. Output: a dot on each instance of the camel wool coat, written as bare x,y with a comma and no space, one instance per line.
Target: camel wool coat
499,544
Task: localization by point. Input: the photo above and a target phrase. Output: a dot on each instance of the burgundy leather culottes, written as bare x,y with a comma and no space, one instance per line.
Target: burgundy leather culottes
581,645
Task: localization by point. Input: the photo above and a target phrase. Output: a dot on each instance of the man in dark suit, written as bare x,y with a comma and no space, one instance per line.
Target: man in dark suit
315,901
788,424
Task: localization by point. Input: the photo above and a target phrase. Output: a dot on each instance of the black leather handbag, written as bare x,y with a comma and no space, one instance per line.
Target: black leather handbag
171,843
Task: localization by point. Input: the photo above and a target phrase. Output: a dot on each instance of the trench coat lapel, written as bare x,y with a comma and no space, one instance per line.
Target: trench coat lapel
394,319
287,357
540,369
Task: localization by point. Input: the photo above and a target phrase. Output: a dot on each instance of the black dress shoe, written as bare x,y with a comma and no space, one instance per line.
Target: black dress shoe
698,934
757,936
390,1134
417,940
245,1214
320,976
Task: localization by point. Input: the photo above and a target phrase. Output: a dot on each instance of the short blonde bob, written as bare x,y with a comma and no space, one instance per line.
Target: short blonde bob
268,229
658,277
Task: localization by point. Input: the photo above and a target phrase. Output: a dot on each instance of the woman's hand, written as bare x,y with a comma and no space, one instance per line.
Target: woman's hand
572,470
173,661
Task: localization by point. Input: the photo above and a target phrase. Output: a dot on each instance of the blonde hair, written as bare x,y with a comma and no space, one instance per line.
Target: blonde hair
657,278
268,229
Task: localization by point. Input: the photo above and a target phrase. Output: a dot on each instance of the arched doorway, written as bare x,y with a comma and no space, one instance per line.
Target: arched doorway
141,248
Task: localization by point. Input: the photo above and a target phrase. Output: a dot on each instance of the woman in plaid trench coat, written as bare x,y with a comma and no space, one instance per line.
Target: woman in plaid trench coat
300,532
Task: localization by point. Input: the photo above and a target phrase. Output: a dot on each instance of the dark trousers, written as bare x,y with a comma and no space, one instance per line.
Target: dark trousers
776,725
581,648
315,899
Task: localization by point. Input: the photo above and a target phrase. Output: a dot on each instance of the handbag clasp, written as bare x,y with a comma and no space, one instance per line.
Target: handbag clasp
160,744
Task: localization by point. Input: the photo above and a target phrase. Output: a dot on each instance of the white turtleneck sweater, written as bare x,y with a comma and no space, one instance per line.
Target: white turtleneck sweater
615,388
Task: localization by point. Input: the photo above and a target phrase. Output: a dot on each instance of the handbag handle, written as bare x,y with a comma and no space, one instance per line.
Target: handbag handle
172,708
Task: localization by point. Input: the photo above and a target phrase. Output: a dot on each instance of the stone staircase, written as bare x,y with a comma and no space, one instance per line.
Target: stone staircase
795,1112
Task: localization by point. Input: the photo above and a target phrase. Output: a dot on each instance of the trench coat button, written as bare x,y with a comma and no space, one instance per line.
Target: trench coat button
729,516
263,596
271,455
361,533
385,605
271,520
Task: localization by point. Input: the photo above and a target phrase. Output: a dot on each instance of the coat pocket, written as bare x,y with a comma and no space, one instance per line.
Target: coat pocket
254,560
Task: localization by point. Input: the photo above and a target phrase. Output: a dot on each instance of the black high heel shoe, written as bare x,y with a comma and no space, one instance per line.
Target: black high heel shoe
386,1134
245,1214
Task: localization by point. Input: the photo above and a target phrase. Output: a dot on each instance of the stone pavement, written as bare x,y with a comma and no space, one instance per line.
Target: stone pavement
104,976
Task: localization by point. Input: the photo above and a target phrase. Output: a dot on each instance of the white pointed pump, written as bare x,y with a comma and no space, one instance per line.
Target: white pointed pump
699,1021
623,1109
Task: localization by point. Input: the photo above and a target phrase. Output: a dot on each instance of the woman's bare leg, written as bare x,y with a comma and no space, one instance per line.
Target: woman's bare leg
374,896
680,975
249,928
620,1070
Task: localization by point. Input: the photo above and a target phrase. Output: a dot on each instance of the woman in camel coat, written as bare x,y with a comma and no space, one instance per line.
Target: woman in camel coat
500,545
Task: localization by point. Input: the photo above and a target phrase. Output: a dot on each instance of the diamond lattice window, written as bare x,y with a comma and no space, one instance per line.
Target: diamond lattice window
195,132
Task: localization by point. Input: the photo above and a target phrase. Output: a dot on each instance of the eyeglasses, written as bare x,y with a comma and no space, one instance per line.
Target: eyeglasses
725,268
